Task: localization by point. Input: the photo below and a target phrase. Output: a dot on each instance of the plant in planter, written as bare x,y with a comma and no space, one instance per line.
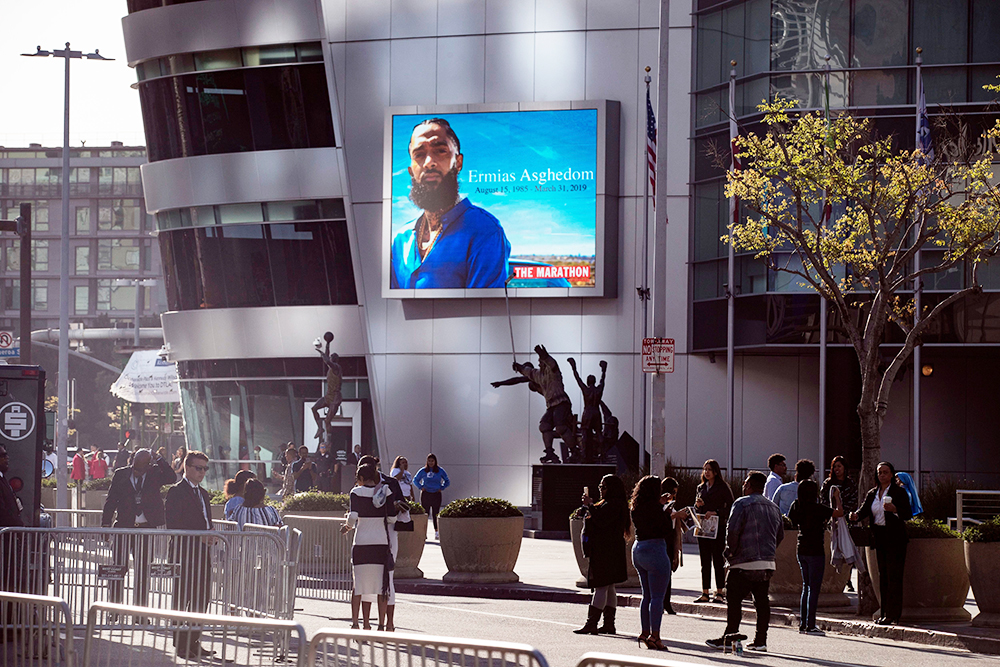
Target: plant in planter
411,544
935,580
331,504
982,552
480,540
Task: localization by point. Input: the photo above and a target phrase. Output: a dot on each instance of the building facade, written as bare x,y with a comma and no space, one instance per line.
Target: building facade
111,234
266,131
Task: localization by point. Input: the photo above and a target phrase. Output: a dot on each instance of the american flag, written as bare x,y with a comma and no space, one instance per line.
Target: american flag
651,145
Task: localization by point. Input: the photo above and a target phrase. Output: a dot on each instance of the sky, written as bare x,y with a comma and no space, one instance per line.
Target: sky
103,108
541,216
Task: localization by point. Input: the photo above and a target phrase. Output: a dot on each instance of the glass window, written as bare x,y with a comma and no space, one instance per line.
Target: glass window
709,220
40,295
292,210
82,265
985,28
221,59
298,271
105,180
941,28
239,110
13,256
82,220
247,276
119,214
240,213
115,297
118,255
254,56
39,255
878,40
81,299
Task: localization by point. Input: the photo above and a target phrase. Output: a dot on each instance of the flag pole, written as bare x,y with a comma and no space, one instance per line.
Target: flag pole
644,293
921,105
823,311
731,286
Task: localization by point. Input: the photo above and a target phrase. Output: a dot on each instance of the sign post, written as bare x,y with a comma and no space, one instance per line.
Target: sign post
657,355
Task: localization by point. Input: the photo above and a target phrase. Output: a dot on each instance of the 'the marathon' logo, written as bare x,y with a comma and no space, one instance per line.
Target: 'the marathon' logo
17,421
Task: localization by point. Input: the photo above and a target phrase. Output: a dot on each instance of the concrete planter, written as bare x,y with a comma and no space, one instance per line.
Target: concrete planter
981,559
935,580
786,584
576,536
218,512
324,551
481,550
94,500
411,548
48,497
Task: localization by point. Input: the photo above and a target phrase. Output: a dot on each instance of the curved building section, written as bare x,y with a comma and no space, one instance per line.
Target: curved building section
248,198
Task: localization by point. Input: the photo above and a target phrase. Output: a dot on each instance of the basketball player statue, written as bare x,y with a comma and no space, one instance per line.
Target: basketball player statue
590,420
334,377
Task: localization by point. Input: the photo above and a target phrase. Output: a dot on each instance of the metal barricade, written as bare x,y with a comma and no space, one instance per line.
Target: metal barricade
613,660
975,506
75,518
324,562
230,573
37,631
121,635
333,648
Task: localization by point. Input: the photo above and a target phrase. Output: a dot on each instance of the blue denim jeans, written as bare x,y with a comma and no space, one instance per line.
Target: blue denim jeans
812,578
653,565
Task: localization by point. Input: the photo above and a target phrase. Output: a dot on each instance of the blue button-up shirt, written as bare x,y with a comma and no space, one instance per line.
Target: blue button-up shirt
470,251
784,495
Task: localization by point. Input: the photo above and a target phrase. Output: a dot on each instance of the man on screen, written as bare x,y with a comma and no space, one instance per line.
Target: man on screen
453,243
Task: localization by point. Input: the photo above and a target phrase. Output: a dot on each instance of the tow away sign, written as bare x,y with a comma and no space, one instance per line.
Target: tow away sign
657,355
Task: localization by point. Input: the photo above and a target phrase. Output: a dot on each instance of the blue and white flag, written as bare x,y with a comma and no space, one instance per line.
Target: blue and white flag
923,144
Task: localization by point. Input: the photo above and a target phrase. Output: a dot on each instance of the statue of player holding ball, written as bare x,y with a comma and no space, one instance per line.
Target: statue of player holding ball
334,377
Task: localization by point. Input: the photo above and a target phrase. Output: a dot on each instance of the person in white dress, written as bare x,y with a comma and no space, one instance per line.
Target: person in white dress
371,559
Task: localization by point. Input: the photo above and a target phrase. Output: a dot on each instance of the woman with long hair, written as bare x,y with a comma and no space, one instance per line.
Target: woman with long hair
650,555
252,509
605,530
848,487
887,505
714,498
234,492
810,517
400,471
431,480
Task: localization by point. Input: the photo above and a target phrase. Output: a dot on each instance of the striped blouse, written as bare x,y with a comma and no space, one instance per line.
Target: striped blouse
371,537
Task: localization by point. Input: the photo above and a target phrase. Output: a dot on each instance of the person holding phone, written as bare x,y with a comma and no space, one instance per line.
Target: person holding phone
304,471
605,530
888,508
714,498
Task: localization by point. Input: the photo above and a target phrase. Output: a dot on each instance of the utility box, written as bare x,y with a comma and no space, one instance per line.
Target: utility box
22,432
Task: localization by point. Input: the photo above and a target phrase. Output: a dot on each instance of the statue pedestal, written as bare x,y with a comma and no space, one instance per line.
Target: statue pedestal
555,492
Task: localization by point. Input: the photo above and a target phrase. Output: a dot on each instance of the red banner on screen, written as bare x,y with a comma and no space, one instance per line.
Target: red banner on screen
581,272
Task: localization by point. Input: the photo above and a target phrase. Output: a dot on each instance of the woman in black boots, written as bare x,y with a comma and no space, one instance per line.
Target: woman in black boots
604,533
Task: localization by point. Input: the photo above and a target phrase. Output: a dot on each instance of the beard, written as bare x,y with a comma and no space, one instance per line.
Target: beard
435,197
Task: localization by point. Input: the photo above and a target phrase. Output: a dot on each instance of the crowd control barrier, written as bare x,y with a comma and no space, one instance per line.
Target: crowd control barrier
228,573
75,518
324,558
123,636
346,648
613,660
37,631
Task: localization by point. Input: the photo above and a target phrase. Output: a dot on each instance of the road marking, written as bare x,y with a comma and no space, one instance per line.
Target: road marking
487,613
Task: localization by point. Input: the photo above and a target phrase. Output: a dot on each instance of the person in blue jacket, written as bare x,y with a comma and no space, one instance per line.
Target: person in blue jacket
431,480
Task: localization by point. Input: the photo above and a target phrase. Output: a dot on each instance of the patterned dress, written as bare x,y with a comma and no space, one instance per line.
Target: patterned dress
370,555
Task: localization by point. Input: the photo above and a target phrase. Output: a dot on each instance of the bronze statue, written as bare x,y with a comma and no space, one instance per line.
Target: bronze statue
590,420
333,398
558,418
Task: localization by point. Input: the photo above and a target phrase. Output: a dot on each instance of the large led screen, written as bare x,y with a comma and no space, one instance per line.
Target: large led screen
480,199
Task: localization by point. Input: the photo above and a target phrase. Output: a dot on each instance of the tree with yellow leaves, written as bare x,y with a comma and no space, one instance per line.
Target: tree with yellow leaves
845,212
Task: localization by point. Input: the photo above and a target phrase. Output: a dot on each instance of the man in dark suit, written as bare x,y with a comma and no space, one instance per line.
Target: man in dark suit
188,508
134,502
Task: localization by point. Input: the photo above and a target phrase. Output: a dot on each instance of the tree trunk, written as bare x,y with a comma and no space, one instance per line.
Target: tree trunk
871,455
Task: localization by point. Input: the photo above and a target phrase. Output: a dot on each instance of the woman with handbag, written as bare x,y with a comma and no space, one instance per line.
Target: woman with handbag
888,507
604,533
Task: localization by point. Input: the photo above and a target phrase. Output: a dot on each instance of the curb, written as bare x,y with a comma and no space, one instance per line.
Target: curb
779,617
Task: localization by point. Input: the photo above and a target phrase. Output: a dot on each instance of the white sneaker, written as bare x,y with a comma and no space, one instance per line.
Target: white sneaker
437,535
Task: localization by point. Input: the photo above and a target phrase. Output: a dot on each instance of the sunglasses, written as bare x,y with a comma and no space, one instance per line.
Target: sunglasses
199,468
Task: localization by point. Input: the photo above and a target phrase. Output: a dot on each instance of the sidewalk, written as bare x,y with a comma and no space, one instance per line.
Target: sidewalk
548,573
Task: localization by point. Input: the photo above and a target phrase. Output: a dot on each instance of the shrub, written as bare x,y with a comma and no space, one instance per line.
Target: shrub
578,513
49,482
217,497
924,526
316,501
987,531
938,495
416,508
97,484
479,507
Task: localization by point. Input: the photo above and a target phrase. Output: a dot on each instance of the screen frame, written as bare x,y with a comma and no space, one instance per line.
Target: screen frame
608,179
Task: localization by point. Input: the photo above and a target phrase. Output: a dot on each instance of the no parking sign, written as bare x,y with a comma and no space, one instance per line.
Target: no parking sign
7,346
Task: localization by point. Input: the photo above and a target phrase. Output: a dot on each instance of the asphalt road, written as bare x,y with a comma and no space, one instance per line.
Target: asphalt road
548,627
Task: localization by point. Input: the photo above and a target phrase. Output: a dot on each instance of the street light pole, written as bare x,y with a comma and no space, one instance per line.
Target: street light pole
62,418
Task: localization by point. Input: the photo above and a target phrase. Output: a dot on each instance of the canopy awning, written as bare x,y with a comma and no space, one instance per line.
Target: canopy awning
148,379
